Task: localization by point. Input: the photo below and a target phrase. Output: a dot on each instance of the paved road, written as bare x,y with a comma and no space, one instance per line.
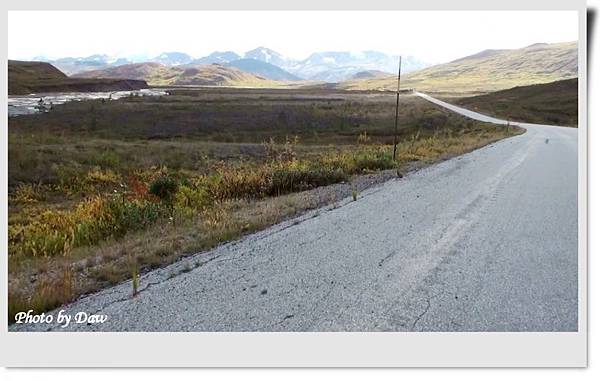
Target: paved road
483,242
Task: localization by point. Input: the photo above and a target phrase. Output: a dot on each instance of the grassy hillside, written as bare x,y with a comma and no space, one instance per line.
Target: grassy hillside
26,77
189,75
486,71
371,74
550,103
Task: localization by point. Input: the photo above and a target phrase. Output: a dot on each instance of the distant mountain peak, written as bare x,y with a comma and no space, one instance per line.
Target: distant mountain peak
173,58
217,57
330,66
269,56
263,69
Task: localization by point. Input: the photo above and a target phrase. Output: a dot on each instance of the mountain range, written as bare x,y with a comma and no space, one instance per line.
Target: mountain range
488,70
332,66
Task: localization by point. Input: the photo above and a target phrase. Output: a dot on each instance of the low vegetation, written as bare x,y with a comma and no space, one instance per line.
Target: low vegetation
554,103
155,179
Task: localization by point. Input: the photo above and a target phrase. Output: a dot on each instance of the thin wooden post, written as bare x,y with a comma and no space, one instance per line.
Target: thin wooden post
397,105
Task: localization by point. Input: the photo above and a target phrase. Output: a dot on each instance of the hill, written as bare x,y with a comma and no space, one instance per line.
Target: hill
371,74
549,103
263,69
489,70
26,77
198,75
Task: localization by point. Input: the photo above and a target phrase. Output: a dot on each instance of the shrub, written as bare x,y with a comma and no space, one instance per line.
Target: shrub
282,153
164,188
71,179
191,197
371,160
299,176
134,215
363,138
248,181
109,159
53,233
29,193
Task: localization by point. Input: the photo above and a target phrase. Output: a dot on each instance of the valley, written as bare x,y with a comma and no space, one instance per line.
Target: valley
117,183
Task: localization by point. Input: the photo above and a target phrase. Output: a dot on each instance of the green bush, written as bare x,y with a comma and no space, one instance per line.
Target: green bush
287,179
372,160
164,188
54,233
134,215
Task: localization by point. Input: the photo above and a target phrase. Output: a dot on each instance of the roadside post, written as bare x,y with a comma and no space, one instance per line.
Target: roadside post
397,105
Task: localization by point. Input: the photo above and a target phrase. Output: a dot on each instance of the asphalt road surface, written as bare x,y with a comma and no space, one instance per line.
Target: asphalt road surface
483,242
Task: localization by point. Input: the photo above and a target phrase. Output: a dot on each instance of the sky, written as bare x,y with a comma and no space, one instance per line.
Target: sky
433,36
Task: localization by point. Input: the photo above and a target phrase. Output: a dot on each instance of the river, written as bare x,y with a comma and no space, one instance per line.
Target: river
34,103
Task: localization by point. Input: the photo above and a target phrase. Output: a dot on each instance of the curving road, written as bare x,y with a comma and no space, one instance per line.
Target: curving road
482,242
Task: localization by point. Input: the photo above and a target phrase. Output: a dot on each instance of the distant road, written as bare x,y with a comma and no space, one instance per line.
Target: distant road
483,242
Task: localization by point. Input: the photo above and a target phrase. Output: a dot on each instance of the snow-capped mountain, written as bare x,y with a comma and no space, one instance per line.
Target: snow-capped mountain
339,66
330,66
216,57
173,58
335,66
269,56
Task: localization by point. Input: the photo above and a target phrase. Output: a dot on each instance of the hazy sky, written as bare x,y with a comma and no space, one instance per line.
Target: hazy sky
436,37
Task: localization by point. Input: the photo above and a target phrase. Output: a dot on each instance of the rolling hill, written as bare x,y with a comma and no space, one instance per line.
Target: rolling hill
371,74
488,70
26,77
549,103
189,75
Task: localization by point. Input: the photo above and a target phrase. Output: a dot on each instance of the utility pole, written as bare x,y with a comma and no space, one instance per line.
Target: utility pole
397,105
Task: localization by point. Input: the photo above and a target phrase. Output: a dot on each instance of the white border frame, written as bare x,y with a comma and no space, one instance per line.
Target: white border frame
564,349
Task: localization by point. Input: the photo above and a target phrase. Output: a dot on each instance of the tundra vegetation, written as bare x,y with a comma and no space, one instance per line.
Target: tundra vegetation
554,103
101,192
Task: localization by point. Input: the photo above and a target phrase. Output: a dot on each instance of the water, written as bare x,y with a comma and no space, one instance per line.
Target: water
30,104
